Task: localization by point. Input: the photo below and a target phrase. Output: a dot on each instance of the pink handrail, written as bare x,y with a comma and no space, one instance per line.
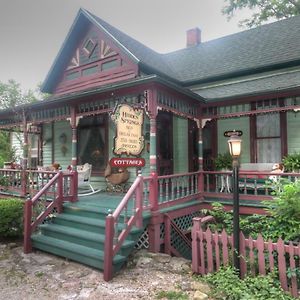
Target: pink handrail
113,239
29,224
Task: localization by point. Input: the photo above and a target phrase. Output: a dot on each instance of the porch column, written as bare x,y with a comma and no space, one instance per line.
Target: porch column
24,159
154,226
200,145
74,123
200,156
153,154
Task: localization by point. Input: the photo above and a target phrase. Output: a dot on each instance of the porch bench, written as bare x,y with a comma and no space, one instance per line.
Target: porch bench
254,182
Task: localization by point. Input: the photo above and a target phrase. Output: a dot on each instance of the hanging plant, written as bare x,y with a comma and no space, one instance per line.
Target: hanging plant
223,161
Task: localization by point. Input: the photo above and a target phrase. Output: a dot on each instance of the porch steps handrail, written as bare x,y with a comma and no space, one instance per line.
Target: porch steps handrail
115,239
55,183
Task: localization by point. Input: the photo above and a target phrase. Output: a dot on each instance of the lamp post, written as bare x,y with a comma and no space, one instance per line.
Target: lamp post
234,143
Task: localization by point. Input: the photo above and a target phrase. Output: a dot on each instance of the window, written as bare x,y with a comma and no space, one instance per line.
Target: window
89,47
92,142
268,138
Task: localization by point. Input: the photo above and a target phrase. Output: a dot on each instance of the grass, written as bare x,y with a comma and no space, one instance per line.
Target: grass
172,295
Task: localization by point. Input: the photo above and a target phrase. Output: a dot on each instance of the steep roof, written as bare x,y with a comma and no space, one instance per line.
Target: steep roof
264,47
261,49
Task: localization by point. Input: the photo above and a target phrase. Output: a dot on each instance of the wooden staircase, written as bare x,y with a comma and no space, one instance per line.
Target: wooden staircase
79,234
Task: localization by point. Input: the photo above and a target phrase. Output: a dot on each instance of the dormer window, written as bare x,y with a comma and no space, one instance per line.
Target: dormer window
89,47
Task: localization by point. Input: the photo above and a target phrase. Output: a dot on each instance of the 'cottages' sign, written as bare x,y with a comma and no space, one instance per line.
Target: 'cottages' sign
129,122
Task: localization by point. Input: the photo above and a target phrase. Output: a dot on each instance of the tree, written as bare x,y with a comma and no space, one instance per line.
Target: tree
265,10
11,96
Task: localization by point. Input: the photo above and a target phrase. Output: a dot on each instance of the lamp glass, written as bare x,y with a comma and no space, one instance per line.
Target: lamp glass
234,144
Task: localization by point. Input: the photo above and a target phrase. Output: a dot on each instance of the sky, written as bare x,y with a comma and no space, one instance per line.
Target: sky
32,31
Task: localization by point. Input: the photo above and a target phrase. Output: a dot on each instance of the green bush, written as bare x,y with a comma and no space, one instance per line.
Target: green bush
226,284
11,218
285,212
291,162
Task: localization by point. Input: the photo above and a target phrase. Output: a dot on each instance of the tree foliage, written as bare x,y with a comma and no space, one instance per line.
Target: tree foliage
264,10
11,95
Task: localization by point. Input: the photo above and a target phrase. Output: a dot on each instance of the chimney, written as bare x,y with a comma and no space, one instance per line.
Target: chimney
193,37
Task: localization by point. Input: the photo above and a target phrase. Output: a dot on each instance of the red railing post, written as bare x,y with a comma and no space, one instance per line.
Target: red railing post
23,183
153,192
167,239
60,192
195,245
74,186
200,182
154,226
27,247
108,248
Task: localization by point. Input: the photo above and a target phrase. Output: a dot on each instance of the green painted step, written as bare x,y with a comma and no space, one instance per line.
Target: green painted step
89,256
81,237
96,225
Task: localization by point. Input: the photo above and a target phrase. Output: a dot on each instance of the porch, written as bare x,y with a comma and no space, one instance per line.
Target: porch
101,230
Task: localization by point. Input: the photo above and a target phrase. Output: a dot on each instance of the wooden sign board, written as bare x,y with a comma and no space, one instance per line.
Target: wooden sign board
129,137
127,162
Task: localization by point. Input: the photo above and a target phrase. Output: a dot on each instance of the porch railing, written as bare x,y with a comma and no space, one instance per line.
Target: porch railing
46,203
120,222
251,183
146,193
211,250
29,182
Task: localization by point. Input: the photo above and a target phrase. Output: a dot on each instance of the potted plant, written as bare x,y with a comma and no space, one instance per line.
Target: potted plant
291,162
223,162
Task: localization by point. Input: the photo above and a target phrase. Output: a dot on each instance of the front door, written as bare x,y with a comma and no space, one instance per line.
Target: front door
164,143
92,142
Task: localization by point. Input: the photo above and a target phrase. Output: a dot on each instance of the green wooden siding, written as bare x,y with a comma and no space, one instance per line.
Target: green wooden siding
293,136
47,144
180,145
237,124
63,151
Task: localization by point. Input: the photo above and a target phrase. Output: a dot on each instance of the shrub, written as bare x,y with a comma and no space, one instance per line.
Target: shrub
285,212
226,284
291,162
223,218
11,218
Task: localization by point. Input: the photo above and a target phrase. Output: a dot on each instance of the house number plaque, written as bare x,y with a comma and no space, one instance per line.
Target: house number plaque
129,137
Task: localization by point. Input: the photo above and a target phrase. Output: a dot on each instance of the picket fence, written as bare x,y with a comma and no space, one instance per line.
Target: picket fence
211,250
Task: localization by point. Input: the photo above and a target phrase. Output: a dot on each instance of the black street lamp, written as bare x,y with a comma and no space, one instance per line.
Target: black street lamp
234,143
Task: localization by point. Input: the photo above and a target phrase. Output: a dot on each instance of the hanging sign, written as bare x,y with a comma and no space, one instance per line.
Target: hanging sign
127,162
129,138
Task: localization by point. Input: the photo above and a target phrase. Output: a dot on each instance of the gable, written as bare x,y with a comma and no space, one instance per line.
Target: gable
94,61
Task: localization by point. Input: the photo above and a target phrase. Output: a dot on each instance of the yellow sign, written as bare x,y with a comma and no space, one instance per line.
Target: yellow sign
129,122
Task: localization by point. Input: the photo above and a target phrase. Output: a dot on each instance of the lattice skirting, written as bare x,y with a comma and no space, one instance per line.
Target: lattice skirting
183,222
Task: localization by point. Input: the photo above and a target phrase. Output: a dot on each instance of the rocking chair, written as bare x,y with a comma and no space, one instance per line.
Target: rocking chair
84,176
